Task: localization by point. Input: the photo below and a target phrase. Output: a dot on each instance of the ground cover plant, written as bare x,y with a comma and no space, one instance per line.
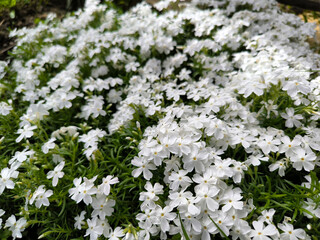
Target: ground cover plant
198,121
27,13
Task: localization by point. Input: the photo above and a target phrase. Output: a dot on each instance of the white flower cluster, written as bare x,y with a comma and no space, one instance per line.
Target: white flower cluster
91,141
102,205
214,76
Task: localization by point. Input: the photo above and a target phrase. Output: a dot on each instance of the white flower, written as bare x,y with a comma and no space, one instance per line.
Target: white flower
165,215
293,87
5,179
157,154
224,221
280,165
83,191
41,197
291,119
71,131
104,187
94,229
5,108
267,216
148,218
190,207
195,160
252,86
183,75
269,144
206,126
289,233
208,228
179,198
163,4
56,173
74,193
231,199
25,132
116,234
37,111
255,160
1,214
150,196
206,180
205,197
92,137
261,232
270,107
102,206
238,171
309,143
245,138
179,180
114,96
16,227
79,220
144,166
312,207
91,141
240,230
191,223
303,159
105,226
94,107
48,145
222,168
182,146
3,71
21,156
288,146
168,141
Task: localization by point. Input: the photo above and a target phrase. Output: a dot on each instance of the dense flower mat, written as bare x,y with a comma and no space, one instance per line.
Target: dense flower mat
174,121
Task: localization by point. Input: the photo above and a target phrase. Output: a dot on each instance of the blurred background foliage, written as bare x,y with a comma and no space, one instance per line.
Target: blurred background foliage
6,5
70,5
27,13
125,5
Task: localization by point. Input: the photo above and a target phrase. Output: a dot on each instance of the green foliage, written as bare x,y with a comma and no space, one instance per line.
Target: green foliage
222,232
125,4
7,3
185,234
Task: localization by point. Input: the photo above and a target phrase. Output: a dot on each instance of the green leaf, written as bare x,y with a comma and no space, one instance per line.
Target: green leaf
7,3
176,237
282,205
63,207
183,229
37,21
222,232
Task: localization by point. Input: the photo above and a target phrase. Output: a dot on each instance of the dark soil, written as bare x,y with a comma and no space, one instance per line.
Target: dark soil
25,16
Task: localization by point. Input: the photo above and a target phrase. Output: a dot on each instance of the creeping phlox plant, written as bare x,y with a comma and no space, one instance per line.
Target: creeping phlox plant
193,120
